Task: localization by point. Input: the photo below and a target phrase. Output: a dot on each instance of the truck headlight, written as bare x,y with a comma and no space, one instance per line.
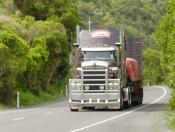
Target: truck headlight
76,87
111,87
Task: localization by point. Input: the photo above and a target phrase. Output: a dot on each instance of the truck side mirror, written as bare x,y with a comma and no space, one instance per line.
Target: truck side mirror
76,45
77,36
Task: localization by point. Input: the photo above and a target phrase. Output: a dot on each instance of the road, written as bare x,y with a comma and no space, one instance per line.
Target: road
58,118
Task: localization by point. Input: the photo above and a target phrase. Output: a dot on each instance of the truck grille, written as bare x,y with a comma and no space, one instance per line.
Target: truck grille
94,82
94,67
94,79
93,72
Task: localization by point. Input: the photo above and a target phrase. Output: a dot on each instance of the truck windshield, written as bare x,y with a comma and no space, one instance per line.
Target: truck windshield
99,55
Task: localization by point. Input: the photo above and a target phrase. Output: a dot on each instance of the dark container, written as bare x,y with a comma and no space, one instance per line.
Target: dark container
134,49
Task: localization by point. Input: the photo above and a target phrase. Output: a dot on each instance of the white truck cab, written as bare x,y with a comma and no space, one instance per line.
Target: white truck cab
97,83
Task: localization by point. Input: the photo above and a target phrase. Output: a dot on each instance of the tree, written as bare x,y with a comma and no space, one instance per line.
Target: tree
48,49
64,10
31,52
14,55
152,69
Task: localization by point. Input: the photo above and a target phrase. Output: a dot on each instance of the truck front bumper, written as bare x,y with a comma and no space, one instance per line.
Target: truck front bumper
82,104
100,100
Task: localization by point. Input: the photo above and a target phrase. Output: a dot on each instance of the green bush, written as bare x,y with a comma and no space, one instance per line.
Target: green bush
172,100
165,38
152,69
1,107
55,92
172,123
28,98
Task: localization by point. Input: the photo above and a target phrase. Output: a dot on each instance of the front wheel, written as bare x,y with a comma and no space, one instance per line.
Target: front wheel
121,101
121,105
73,109
128,103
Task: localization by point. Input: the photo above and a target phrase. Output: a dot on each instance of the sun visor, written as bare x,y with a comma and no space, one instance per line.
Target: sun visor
98,38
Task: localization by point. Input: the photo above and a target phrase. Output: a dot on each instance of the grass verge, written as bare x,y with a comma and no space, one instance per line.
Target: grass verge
172,107
56,91
172,123
1,107
27,98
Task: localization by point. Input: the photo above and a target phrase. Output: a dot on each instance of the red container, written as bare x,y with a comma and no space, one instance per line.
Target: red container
133,69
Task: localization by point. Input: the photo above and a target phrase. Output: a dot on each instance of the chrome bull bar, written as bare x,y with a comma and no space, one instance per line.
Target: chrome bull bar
78,92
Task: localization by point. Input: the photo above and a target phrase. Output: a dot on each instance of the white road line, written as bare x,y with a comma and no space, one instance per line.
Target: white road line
23,110
124,114
50,113
17,119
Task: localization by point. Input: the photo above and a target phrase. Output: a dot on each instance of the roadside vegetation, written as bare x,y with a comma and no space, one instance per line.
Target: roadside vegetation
34,46
1,107
165,39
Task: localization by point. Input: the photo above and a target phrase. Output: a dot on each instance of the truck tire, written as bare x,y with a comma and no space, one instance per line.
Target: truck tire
121,101
73,109
127,104
140,97
140,100
121,105
134,99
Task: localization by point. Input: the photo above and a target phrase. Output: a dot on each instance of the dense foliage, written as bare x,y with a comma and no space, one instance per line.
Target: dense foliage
152,70
34,45
63,11
166,43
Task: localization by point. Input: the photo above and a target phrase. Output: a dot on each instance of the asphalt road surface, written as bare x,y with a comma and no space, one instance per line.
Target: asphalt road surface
58,118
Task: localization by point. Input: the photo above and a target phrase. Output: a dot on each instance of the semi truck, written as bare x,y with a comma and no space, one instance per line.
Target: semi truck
108,70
